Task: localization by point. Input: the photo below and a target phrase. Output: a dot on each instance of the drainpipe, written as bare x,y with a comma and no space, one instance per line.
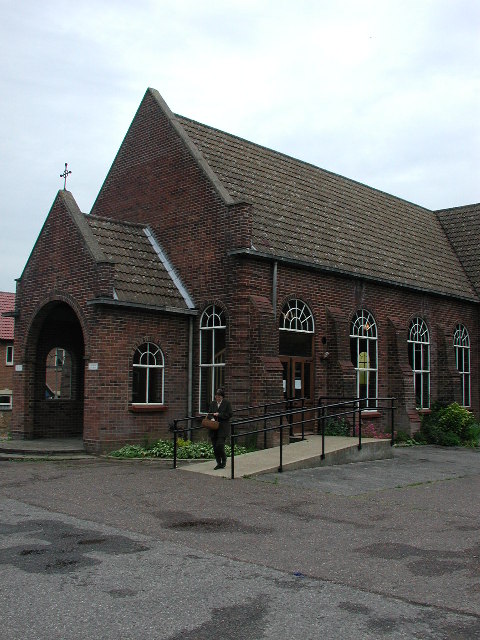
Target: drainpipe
274,289
190,374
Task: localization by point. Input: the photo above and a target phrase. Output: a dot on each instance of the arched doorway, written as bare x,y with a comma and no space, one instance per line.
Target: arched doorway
296,355
59,374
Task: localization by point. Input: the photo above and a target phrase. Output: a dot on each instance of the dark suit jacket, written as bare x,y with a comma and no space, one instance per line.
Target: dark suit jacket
224,417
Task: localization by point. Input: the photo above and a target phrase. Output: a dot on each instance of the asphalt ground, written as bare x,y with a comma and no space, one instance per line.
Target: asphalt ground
137,550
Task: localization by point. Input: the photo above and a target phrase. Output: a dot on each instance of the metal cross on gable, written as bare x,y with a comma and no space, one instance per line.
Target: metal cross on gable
65,175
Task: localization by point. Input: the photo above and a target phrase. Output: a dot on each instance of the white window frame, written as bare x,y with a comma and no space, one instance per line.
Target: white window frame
297,316
5,406
144,363
364,328
461,345
9,360
419,336
213,319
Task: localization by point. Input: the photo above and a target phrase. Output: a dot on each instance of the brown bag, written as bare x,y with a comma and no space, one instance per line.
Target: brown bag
211,424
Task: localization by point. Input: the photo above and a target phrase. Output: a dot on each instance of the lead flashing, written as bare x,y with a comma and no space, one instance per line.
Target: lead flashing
169,268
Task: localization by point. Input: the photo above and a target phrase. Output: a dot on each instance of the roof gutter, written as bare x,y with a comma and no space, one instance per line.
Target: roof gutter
110,302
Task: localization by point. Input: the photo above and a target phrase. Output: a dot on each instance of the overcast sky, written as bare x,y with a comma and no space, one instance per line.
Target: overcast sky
386,92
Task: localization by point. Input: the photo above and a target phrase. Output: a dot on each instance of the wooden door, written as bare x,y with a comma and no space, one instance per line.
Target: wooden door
298,387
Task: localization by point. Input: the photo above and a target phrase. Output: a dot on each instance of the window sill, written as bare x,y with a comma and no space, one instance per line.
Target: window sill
371,413
147,408
423,412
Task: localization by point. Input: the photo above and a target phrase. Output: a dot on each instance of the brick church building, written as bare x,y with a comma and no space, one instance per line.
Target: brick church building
208,260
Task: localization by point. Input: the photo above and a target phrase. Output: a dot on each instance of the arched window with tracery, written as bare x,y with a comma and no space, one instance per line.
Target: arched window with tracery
461,344
213,334
148,375
364,353
297,329
419,359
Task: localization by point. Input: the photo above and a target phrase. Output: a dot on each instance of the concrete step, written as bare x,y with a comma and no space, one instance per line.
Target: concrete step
68,448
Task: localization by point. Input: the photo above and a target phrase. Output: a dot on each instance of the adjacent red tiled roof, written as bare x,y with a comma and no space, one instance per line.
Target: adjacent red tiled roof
306,214
7,303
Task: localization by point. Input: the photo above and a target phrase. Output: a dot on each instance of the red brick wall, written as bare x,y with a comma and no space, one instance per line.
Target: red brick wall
333,301
155,180
61,271
110,417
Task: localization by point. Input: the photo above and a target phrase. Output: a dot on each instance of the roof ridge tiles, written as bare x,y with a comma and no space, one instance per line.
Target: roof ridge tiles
464,207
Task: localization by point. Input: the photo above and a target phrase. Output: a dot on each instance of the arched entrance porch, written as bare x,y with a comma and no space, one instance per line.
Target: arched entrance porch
58,389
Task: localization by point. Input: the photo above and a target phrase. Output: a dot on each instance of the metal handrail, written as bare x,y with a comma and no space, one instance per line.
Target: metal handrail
188,419
351,407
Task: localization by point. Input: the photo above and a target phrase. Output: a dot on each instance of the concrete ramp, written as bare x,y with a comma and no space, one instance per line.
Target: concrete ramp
299,455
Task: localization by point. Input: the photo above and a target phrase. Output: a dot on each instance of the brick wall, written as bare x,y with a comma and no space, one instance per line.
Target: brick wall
252,368
154,179
110,418
60,271
55,291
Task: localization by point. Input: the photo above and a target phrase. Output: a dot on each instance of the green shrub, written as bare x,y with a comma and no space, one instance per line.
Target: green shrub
164,449
405,440
402,436
338,427
449,426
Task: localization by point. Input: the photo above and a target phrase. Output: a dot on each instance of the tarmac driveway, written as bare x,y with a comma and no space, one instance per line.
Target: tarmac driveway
105,549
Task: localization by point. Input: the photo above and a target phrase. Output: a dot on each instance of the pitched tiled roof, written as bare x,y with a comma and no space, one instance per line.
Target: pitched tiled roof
306,214
462,226
141,276
7,303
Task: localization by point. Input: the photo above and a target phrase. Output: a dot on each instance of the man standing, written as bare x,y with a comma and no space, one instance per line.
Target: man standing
221,409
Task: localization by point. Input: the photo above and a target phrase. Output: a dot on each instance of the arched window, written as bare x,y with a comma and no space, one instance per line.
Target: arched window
461,344
296,316
213,332
58,374
419,359
296,349
363,349
148,375
296,329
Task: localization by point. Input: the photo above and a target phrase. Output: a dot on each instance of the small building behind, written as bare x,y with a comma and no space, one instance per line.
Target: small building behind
7,305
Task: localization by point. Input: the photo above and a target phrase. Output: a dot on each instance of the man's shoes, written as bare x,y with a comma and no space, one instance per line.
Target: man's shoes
219,466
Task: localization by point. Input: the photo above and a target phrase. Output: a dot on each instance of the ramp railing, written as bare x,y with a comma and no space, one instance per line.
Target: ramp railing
277,421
